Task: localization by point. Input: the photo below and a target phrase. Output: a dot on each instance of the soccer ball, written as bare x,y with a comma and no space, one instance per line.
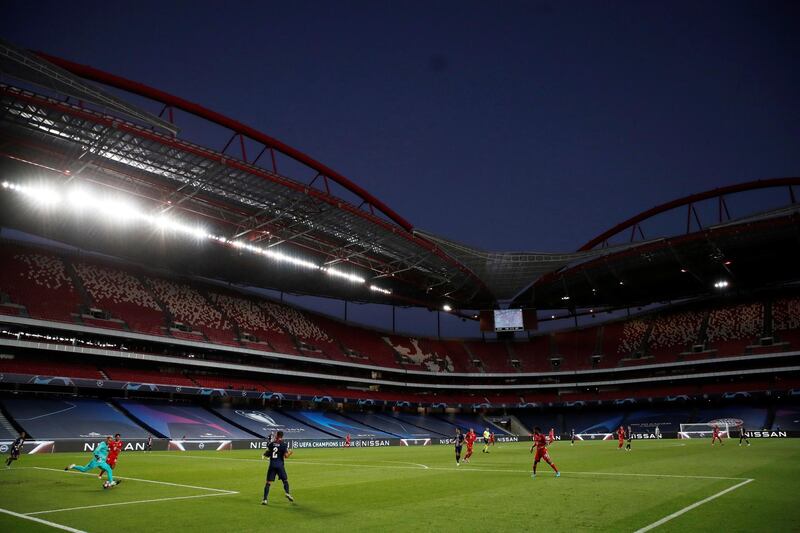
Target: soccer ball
106,485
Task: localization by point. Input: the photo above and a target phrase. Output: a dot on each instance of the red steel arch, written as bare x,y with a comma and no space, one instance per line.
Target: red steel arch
112,80
174,102
633,222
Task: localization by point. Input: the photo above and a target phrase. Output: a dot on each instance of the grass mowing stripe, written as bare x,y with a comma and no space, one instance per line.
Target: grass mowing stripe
695,505
40,521
130,503
451,469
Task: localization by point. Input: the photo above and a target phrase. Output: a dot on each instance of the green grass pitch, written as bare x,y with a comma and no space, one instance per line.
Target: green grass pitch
420,489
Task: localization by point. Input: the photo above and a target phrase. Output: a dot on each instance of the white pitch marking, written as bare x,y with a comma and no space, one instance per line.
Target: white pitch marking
127,503
45,522
468,469
424,467
144,480
692,506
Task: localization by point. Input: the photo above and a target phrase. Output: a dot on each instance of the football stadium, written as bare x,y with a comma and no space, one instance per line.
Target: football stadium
166,275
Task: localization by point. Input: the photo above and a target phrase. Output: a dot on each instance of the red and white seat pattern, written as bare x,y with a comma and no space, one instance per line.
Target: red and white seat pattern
253,320
786,314
675,330
123,296
38,281
633,333
732,329
414,352
295,322
188,307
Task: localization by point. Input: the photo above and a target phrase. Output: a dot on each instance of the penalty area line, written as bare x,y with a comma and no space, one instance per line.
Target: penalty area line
221,491
695,505
127,503
40,521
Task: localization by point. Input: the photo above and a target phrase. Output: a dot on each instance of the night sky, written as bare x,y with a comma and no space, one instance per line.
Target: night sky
504,125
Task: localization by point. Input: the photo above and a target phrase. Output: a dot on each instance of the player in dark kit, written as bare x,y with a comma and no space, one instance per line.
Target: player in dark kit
278,451
149,445
572,437
459,442
16,449
628,445
540,444
742,436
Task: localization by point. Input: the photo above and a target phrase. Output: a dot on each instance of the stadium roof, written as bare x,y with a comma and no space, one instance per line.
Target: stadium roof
258,192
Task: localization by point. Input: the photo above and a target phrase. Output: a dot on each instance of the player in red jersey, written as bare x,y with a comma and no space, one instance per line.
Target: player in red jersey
491,438
540,443
552,436
113,452
715,435
621,437
347,441
470,439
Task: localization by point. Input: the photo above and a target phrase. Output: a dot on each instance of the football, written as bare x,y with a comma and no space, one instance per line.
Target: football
106,485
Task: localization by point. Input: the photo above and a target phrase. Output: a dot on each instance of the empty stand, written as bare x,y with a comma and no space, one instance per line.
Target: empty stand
49,367
493,355
123,296
257,328
190,309
39,281
674,333
732,329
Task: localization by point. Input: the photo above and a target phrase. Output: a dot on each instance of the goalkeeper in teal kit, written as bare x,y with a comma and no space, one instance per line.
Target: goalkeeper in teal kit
99,456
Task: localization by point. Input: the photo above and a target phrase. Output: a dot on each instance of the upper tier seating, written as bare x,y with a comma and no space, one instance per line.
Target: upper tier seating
633,336
786,321
313,341
493,356
732,329
39,281
361,345
123,296
253,321
534,355
674,333
576,348
189,307
416,356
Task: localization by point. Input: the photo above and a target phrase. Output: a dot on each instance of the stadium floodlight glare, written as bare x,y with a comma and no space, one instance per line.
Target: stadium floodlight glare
565,297
80,199
120,210
446,308
344,275
379,289
721,284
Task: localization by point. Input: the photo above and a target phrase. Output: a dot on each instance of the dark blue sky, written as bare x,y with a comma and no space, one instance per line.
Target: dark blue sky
506,125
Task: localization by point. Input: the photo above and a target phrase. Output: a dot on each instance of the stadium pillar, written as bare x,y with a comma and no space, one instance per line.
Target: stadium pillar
439,324
345,310
394,322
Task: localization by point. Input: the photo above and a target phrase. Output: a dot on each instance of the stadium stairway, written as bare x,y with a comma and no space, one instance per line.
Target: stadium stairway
6,426
86,300
473,358
169,319
517,428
